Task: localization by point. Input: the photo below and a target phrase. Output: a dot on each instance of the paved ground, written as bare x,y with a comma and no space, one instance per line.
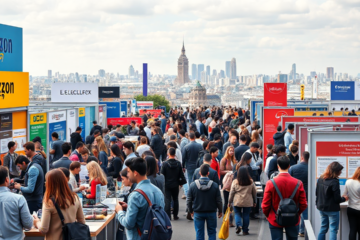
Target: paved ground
184,229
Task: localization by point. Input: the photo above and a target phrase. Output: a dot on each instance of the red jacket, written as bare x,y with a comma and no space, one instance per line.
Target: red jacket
215,165
286,185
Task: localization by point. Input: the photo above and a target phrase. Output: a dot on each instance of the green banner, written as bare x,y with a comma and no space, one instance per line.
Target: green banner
39,130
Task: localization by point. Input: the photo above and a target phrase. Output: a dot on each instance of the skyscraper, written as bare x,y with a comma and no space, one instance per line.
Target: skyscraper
222,74
101,73
214,72
199,70
292,75
207,70
193,71
49,74
131,71
330,73
282,78
227,68
312,74
233,69
183,68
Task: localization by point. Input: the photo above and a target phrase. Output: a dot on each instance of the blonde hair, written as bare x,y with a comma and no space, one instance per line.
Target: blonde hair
95,172
101,144
227,155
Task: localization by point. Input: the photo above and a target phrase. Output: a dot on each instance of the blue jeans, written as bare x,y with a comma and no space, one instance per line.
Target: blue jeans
304,216
332,219
211,224
190,173
242,217
278,234
186,186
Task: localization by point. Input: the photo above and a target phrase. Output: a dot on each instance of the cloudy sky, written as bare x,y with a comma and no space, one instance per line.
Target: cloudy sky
265,36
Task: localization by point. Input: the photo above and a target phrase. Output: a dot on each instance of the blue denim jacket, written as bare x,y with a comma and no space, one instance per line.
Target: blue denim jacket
137,207
14,215
287,140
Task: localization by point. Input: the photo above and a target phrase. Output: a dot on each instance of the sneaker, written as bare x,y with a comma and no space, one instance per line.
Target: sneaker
188,216
301,235
238,230
246,233
183,197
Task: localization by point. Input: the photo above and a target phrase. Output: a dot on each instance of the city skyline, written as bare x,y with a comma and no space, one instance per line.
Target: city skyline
267,37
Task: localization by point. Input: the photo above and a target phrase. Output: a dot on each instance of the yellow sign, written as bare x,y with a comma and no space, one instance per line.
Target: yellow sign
302,92
14,89
81,112
38,118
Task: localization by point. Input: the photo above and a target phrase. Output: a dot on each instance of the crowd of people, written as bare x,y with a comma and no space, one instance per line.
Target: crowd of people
214,155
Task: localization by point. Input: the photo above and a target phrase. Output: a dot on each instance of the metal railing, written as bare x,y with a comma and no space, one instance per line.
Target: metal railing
309,231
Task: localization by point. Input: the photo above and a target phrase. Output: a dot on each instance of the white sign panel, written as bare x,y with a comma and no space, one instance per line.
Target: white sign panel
70,123
353,164
324,162
57,116
74,92
357,90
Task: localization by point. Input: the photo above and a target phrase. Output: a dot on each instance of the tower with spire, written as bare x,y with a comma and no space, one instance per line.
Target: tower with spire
183,68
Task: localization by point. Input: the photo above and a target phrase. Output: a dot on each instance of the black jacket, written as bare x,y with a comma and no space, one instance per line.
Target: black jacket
74,139
239,151
96,127
157,145
200,159
172,171
293,160
273,166
328,195
38,158
190,154
89,139
213,175
204,199
38,192
279,138
300,171
114,167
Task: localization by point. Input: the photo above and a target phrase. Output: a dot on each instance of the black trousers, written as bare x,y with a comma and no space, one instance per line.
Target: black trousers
172,193
354,222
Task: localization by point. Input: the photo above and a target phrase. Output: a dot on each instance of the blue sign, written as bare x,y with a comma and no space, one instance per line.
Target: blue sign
253,109
145,79
82,125
112,109
60,128
342,90
88,124
123,108
11,48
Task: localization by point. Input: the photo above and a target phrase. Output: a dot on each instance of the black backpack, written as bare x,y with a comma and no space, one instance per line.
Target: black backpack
288,211
72,231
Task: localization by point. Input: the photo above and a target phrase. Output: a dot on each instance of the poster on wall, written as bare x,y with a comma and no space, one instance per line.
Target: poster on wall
14,92
57,123
112,109
70,123
82,122
123,121
123,108
38,127
320,119
5,137
11,48
275,94
101,118
342,90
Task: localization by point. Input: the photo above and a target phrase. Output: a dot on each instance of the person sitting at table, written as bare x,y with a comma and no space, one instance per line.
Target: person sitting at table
96,176
75,168
58,189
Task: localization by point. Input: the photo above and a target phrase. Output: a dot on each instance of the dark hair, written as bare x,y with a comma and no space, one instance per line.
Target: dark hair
172,151
65,171
217,137
172,137
94,122
137,164
29,146
213,149
4,173
207,157
55,135
182,132
110,127
291,126
172,144
283,162
332,171
254,145
280,148
306,156
279,128
205,143
11,144
116,151
124,172
204,169
74,165
243,176
192,135
105,130
36,139
243,138
79,145
151,166
96,132
92,159
21,159
244,158
66,147
78,129
129,145
294,149
148,153
197,134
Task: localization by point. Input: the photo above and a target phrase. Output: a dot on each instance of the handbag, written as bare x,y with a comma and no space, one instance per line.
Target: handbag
72,231
224,230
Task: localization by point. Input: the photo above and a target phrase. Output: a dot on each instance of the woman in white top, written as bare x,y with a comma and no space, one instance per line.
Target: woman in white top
143,146
352,190
75,168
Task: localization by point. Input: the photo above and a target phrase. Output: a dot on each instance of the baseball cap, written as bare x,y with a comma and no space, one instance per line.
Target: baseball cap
113,139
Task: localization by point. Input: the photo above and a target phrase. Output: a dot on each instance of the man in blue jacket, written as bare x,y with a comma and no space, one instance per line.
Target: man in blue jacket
213,175
190,155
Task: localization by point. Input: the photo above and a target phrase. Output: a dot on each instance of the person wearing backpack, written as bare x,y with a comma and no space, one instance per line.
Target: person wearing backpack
284,201
203,200
138,210
172,171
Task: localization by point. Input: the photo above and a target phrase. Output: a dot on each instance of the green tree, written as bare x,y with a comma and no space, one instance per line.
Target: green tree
158,100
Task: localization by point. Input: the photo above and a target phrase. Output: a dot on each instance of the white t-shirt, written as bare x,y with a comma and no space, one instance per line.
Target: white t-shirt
142,148
352,189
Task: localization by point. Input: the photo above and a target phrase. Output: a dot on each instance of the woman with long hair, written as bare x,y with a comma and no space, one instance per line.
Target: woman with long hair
247,135
352,191
243,196
328,199
57,188
244,161
152,170
96,176
95,151
255,137
116,162
103,153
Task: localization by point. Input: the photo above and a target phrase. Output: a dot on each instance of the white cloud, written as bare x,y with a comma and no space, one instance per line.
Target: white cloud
265,36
